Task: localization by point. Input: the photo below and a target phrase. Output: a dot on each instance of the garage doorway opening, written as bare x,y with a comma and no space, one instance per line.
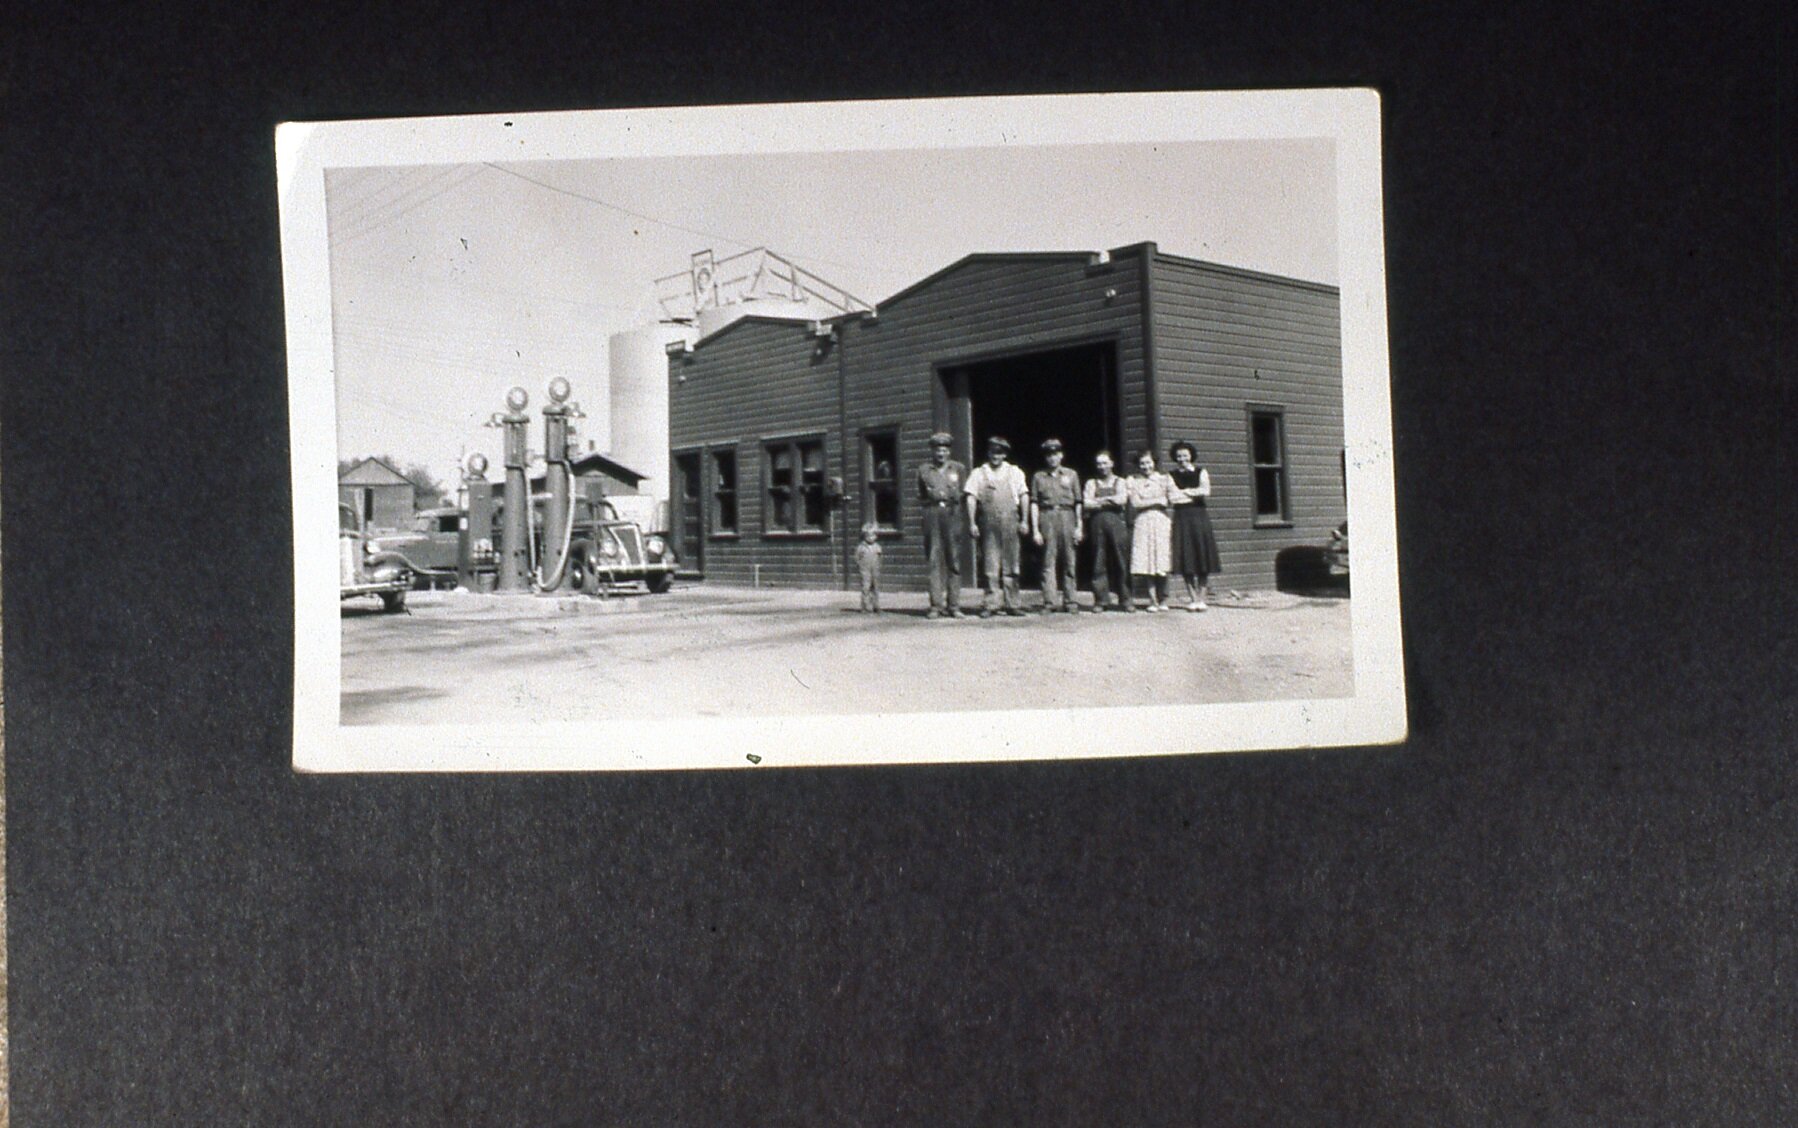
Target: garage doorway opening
1068,393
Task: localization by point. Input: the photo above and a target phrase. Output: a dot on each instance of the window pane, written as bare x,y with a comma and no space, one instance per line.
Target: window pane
883,458
724,473
1267,493
886,507
1267,439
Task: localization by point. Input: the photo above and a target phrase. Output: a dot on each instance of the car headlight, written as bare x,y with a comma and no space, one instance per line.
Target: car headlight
608,546
655,546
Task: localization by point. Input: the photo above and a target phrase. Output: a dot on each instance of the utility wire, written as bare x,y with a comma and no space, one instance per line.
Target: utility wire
408,209
624,210
663,222
353,214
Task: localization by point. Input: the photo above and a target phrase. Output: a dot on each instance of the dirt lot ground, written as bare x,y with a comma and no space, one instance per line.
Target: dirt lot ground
711,651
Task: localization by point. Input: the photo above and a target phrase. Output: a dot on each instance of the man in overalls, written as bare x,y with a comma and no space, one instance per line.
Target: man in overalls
1055,526
1106,500
997,508
940,485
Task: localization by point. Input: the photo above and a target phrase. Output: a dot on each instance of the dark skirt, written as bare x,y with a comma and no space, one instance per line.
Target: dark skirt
1195,547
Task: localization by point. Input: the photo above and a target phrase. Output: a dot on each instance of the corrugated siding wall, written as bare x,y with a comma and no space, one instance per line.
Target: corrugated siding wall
752,382
982,309
1226,341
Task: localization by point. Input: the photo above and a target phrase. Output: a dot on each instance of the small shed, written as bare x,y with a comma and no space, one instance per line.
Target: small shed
383,496
595,475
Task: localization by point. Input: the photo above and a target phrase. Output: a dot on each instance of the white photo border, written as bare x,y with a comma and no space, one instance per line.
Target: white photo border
1374,714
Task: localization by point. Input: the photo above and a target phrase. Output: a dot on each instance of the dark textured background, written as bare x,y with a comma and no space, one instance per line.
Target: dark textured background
1567,900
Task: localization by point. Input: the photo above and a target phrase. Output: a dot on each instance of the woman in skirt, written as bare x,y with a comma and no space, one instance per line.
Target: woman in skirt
1195,546
1151,494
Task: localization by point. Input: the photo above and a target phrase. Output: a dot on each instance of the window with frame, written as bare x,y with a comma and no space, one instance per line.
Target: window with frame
796,502
1267,458
724,493
880,473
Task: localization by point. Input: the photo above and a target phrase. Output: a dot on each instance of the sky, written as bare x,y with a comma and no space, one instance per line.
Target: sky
451,283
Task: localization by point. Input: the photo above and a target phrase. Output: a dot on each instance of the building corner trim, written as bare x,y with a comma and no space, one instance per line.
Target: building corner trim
1149,358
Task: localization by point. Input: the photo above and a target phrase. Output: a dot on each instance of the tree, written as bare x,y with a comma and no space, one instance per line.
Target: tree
431,492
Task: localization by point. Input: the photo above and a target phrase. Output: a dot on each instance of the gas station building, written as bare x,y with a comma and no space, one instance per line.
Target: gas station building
786,435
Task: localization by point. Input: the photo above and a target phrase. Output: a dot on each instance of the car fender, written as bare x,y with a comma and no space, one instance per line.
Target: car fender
387,560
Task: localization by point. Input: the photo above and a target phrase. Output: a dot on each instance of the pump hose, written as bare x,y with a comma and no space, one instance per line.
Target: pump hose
555,581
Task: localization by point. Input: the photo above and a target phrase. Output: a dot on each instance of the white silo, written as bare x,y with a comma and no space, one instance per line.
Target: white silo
638,359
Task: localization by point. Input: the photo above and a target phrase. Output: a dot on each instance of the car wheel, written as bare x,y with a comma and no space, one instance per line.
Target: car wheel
393,601
660,583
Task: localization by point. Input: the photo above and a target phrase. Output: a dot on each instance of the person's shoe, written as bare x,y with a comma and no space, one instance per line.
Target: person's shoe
1015,612
1199,605
1098,609
1152,608
986,612
933,613
957,613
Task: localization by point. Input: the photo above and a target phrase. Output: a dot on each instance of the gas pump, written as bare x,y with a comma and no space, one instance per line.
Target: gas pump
475,538
558,522
515,561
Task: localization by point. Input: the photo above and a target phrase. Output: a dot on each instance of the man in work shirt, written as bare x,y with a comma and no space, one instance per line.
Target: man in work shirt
1055,525
940,485
997,508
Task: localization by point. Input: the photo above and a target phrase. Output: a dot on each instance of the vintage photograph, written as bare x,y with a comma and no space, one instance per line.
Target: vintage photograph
841,433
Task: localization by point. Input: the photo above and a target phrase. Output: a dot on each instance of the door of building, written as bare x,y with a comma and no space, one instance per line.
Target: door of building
1069,393
689,515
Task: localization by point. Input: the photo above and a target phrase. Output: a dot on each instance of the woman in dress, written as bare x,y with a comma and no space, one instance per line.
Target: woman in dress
1195,546
1151,494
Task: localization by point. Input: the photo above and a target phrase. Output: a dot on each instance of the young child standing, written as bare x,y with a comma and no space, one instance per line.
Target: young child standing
867,558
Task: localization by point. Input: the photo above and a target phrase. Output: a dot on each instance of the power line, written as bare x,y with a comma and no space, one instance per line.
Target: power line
704,234
359,211
408,209
647,218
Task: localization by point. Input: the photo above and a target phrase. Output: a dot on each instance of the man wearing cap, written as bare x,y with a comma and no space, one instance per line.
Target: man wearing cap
940,485
1055,526
998,501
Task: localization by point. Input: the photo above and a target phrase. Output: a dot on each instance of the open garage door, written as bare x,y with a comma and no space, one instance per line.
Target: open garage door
1066,393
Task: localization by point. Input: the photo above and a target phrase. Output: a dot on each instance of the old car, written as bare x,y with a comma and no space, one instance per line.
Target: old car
362,570
607,549
429,548
604,549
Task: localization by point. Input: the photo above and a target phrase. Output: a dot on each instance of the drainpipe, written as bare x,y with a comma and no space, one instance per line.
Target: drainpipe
1149,359
838,562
